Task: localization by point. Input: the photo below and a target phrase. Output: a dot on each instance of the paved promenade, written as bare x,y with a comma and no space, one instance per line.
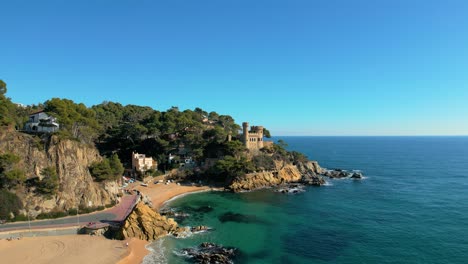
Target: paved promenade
115,214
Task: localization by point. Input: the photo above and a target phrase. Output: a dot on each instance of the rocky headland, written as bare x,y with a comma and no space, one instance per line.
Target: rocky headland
308,173
70,159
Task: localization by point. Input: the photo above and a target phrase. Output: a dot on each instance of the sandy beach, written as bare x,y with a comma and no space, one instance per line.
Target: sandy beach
72,249
136,251
160,193
78,249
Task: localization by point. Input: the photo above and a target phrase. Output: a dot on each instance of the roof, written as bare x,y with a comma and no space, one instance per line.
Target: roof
38,112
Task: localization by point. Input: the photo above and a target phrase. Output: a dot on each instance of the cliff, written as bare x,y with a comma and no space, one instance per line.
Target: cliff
308,172
144,223
71,160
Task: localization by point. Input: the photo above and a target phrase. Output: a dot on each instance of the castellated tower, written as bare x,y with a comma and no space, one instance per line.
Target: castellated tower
245,135
253,138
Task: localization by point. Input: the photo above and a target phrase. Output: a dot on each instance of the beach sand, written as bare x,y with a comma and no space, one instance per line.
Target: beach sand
71,249
136,251
160,193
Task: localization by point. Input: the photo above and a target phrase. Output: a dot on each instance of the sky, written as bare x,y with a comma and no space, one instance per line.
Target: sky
297,67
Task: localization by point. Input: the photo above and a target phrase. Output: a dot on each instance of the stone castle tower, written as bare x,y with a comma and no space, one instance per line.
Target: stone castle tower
253,138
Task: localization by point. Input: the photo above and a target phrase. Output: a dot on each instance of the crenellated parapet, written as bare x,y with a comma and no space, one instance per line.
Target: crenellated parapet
252,137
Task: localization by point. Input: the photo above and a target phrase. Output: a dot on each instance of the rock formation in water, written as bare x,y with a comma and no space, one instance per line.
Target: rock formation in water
308,172
71,160
207,253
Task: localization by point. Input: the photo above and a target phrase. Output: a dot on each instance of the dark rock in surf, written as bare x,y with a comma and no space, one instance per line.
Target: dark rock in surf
210,253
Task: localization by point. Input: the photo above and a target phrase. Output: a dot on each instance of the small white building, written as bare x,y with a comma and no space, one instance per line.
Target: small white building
40,122
141,163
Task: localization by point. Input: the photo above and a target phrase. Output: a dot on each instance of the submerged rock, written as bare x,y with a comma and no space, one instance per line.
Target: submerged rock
291,189
210,253
239,218
356,175
173,213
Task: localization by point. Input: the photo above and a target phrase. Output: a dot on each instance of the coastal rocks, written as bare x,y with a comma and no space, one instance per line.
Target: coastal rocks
291,189
307,173
339,173
336,173
187,231
173,213
207,253
144,223
310,167
315,180
201,228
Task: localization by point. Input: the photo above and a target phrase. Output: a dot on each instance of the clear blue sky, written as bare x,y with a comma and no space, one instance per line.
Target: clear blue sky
312,67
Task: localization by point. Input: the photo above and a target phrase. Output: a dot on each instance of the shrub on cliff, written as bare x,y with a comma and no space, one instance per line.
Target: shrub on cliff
50,182
263,162
10,204
10,174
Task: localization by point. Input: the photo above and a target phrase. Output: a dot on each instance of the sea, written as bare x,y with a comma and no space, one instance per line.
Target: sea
411,207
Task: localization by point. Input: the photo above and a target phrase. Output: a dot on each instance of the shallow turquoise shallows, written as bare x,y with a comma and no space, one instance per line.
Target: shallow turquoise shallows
412,207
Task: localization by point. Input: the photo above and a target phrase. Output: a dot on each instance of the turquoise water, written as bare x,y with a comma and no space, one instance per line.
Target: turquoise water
411,208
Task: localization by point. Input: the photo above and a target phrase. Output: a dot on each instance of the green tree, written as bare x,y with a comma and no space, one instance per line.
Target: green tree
234,148
116,165
107,169
266,133
7,108
3,88
230,167
76,120
101,171
298,157
49,184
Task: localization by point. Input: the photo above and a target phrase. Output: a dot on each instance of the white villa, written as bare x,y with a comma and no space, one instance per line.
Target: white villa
40,122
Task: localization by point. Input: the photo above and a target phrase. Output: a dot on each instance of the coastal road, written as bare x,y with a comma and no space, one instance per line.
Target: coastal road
115,214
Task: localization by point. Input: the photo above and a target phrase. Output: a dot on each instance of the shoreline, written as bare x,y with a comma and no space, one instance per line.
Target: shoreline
137,251
160,195
77,249
165,203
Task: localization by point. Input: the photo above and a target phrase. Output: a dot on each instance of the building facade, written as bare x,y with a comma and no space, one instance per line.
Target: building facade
253,137
141,163
40,122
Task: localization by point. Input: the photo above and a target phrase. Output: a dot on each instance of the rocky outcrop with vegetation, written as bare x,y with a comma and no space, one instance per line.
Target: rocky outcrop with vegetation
307,172
51,174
